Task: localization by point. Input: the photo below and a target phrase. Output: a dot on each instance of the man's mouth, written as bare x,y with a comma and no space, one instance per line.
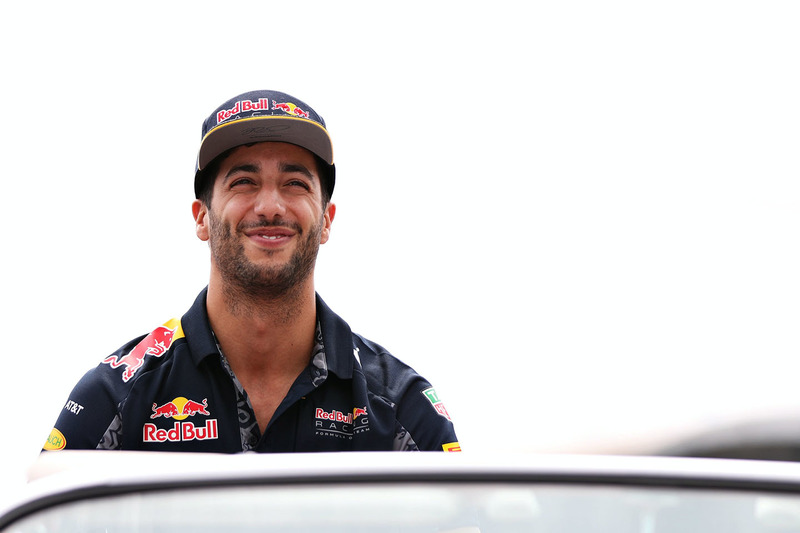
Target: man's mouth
271,232
270,237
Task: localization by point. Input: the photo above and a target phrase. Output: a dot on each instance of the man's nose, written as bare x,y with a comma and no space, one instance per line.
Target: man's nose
269,203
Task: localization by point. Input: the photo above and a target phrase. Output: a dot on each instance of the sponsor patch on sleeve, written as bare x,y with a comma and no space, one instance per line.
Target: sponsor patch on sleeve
451,447
55,441
437,404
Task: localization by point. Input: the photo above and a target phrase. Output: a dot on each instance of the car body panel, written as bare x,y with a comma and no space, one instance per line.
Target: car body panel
430,488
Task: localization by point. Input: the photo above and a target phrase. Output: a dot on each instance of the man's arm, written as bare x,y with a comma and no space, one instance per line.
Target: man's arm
88,415
423,416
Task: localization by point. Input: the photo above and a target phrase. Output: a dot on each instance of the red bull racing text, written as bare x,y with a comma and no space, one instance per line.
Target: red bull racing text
340,424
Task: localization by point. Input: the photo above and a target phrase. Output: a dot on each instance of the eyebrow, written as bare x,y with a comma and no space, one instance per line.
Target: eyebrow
296,167
284,167
246,167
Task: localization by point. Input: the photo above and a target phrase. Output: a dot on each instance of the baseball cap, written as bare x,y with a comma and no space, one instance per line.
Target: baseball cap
259,116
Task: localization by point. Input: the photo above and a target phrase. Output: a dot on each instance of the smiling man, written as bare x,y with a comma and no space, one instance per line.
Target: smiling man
259,362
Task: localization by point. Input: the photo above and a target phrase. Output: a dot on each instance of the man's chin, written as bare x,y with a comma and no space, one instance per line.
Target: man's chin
263,282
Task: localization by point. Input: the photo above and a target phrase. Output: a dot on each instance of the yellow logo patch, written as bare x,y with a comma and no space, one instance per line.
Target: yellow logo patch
55,441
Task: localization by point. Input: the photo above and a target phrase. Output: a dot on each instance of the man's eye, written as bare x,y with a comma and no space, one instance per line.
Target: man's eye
300,183
241,181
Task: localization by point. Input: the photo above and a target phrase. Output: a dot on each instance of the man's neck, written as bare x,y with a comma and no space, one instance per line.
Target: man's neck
263,336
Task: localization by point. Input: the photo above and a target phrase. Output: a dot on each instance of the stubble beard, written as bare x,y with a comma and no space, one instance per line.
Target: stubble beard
248,286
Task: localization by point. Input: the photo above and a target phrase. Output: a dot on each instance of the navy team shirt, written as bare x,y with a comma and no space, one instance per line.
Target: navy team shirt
173,390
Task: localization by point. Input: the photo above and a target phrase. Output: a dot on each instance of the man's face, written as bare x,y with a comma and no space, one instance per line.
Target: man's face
266,220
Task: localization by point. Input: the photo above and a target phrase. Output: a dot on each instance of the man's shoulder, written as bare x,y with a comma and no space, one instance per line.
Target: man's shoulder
140,353
386,374
375,351
416,404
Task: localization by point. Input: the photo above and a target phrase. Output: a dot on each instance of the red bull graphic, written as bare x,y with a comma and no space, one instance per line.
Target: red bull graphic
334,416
168,410
191,408
243,106
179,409
290,109
181,432
155,344
341,424
437,404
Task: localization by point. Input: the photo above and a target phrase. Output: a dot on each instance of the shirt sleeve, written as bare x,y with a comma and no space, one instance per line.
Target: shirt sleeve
88,415
423,422
423,416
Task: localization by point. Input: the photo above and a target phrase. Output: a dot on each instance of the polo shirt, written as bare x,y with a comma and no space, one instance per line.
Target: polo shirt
172,390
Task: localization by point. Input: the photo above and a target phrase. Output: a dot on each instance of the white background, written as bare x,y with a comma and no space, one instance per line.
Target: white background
579,220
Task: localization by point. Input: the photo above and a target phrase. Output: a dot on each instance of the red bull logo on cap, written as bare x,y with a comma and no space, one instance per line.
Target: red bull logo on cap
262,104
290,109
154,344
179,409
242,106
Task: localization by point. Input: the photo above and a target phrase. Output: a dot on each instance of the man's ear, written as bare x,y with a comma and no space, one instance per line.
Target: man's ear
327,221
200,212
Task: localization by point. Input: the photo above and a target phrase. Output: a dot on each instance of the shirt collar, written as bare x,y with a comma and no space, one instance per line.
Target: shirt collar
338,341
198,330
336,336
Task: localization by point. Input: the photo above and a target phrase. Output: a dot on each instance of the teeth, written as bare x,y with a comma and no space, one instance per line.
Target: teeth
270,237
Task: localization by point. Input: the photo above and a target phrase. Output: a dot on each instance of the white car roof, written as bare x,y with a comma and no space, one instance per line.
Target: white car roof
68,475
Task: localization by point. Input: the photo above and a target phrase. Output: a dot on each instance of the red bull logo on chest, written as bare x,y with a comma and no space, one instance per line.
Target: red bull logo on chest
179,409
334,416
341,424
181,432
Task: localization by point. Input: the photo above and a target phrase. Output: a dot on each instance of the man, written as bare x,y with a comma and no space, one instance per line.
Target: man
259,362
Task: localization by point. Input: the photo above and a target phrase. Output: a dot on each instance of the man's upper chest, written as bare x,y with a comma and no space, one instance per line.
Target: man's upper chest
187,407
